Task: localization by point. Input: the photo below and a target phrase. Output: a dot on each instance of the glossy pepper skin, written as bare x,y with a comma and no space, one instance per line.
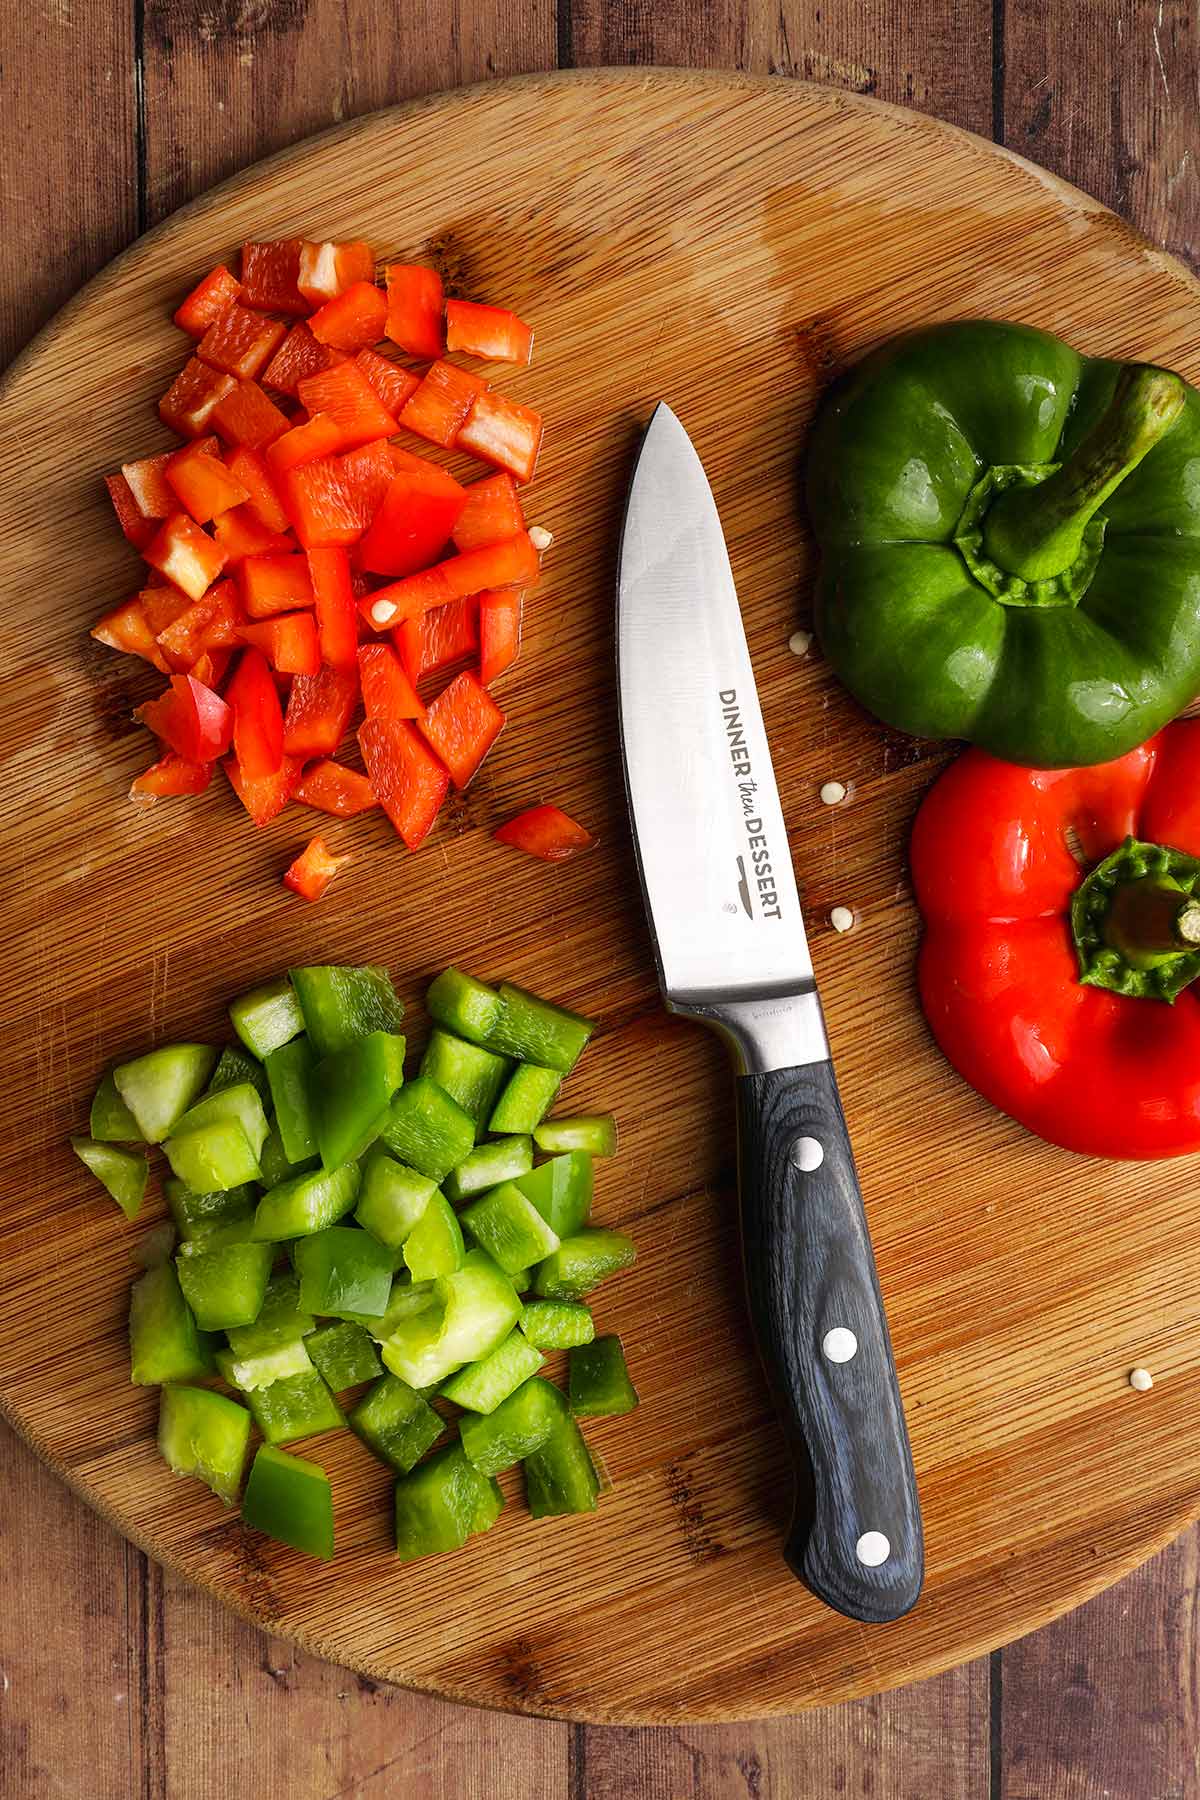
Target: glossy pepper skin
1092,642
1095,1071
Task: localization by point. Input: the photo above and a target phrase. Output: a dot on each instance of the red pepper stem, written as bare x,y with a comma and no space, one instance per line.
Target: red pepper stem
1150,917
1037,532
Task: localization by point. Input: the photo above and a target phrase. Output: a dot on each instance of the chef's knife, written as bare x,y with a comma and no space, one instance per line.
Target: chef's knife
729,940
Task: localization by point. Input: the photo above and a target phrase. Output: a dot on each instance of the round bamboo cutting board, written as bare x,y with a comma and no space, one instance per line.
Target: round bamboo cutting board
726,244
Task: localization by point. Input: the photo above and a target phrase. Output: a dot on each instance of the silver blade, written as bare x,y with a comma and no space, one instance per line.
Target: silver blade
710,836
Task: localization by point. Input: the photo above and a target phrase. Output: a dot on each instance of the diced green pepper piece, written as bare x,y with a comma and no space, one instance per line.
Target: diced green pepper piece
342,1004
428,1129
396,1423
520,1425
462,1319
599,1379
267,1016
216,1156
560,1476
224,1282
434,1246
288,1071
205,1434
195,1215
344,1355
392,1198
594,1132
295,1407
525,1098
275,1165
236,1066
164,1340
307,1203
488,1165
561,1190
274,1346
343,1269
122,1173
509,1227
522,1280
239,1104
463,1005
470,1075
534,1031
159,1088
407,1297
581,1262
110,1120
443,1503
481,1386
557,1324
290,1499
351,1092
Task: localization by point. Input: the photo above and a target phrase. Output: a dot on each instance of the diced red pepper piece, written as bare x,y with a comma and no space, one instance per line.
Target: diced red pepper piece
187,556
288,641
314,869
257,716
171,774
190,718
329,269
274,584
407,777
319,709
211,667
192,398
499,631
149,487
545,832
386,690
352,319
393,384
462,724
262,498
503,432
207,301
210,623
264,797
298,355
133,522
438,638
337,614
415,308
202,482
366,476
344,394
509,564
241,342
440,405
319,436
413,524
248,416
490,331
270,277
333,788
163,604
323,511
240,534
492,513
126,628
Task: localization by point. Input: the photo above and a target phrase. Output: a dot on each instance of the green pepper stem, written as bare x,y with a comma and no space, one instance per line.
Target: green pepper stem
1152,918
1037,532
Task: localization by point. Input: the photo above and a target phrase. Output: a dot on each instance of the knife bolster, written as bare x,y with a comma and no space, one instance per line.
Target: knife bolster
766,1031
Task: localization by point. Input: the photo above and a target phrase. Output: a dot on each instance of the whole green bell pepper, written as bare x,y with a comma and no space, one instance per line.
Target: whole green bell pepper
1011,542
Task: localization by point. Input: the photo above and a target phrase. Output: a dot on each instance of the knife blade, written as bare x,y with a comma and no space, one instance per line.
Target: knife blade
731,949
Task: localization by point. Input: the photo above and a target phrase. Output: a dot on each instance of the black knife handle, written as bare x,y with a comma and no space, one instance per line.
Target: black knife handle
855,1537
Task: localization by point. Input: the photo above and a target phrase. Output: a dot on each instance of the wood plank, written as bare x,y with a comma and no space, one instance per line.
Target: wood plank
924,55
67,81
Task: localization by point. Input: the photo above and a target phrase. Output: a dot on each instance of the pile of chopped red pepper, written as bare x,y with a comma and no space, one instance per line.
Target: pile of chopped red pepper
301,563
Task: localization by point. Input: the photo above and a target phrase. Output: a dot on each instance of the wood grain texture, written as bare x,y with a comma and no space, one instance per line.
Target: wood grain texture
1044,1477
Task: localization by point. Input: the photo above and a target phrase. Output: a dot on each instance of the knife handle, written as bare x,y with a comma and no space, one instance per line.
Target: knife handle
855,1537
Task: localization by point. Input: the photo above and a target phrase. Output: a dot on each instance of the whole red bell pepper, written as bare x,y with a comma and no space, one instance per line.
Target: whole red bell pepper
1061,933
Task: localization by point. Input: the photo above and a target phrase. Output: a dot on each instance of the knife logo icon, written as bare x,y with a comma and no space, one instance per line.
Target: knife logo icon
744,889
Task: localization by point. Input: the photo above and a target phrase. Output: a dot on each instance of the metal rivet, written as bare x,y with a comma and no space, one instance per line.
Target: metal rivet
872,1549
807,1154
839,1344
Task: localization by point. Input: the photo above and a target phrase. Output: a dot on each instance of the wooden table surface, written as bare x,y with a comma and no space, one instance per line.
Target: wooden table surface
116,1680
